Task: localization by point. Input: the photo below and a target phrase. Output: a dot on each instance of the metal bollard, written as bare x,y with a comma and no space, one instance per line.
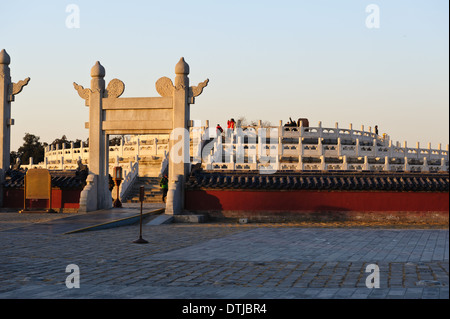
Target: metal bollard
141,199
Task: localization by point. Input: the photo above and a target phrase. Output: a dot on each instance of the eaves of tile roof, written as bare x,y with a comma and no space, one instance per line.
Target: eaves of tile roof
320,180
61,179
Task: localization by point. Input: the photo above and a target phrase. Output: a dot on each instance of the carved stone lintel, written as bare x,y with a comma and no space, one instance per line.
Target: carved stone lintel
82,92
16,88
164,87
197,90
114,89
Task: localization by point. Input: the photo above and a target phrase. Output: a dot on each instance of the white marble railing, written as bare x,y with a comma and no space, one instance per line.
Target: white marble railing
142,146
130,173
249,147
126,155
57,158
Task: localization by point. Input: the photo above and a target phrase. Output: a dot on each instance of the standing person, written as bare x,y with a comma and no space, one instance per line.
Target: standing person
219,130
376,129
164,184
230,127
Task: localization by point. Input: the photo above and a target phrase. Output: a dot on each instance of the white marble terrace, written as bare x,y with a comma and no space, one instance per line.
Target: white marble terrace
289,148
317,148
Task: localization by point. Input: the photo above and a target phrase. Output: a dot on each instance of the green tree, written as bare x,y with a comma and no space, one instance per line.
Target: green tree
31,147
244,122
77,143
61,141
64,141
12,157
115,141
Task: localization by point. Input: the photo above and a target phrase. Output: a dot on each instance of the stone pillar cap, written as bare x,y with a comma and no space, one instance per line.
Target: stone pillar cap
98,71
182,67
4,57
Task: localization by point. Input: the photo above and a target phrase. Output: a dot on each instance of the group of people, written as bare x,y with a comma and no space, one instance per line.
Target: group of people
292,123
231,126
164,181
305,123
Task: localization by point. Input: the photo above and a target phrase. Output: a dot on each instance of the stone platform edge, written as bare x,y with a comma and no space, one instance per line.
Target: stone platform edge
119,222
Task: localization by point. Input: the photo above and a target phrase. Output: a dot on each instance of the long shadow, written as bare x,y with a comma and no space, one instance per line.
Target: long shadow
202,202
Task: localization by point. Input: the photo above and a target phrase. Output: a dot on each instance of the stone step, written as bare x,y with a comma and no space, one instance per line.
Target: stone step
147,200
146,192
136,196
152,190
137,184
148,180
156,199
136,190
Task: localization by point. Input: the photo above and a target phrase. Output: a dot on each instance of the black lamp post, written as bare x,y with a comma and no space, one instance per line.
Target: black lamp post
141,240
117,180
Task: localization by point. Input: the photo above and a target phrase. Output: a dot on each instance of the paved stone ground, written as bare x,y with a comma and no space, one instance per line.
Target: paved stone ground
224,261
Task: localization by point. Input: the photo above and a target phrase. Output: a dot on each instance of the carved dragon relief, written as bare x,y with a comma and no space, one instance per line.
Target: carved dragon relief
114,89
165,88
197,90
16,88
82,92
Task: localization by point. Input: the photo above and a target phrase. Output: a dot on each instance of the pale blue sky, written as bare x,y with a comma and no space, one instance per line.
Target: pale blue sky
267,60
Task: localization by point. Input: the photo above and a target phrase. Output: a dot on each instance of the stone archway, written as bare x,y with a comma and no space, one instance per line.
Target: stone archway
111,114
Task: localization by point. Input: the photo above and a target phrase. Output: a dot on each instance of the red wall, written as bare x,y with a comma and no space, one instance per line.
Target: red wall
316,201
13,198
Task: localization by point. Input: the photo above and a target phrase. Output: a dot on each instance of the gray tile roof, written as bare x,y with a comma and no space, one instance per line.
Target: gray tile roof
68,179
320,180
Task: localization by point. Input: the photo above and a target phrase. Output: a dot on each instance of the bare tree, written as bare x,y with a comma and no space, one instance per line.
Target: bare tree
244,122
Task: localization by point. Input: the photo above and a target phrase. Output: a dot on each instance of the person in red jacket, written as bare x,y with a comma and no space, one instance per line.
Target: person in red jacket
231,124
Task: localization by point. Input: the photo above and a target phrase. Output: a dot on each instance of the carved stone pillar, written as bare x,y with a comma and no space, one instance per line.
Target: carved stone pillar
8,90
179,157
181,117
98,140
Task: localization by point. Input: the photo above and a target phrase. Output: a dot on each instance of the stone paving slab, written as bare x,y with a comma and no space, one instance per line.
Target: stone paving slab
204,261
302,244
89,291
66,223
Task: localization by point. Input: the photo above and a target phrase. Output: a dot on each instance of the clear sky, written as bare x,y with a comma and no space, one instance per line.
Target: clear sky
267,60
